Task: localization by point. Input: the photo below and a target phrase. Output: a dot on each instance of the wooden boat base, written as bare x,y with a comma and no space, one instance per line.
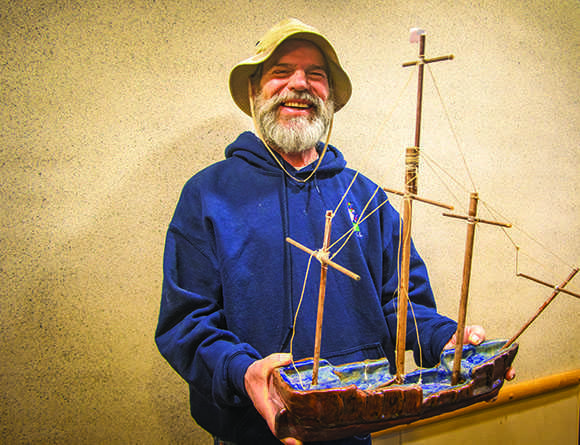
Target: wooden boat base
328,413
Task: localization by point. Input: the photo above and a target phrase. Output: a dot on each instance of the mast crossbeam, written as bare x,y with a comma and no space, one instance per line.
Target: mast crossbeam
478,220
559,288
418,198
423,60
555,293
324,259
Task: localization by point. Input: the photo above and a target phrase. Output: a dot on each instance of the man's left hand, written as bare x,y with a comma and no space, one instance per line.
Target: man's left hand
474,335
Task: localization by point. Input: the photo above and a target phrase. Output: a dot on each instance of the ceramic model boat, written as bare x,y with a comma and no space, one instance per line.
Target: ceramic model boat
363,397
318,401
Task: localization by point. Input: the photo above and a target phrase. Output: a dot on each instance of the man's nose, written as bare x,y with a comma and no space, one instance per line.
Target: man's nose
298,81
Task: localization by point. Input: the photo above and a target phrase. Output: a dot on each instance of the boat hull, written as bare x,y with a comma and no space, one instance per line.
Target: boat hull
362,398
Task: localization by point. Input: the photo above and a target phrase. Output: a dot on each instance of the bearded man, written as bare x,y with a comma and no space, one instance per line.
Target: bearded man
232,284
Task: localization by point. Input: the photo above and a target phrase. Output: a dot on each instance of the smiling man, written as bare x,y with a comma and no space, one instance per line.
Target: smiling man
293,109
232,284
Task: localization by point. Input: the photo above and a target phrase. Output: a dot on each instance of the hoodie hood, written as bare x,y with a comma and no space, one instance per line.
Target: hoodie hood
250,148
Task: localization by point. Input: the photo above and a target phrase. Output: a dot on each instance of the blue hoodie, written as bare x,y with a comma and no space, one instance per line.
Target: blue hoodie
232,283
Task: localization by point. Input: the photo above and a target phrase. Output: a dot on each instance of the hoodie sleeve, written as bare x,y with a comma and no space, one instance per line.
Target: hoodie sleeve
427,330
192,332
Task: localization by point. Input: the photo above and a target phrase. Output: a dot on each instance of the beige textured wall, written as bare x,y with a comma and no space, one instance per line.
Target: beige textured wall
109,107
546,419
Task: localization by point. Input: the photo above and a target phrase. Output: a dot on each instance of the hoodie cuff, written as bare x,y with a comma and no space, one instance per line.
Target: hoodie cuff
444,336
236,372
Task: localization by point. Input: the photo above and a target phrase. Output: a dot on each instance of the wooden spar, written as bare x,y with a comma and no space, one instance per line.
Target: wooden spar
321,295
411,171
551,298
418,198
558,288
322,256
479,220
434,59
421,62
456,374
412,160
324,259
468,257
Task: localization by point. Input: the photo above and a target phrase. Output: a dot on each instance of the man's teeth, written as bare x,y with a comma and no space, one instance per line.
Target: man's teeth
296,105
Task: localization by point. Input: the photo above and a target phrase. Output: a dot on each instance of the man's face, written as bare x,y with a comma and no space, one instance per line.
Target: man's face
297,66
293,106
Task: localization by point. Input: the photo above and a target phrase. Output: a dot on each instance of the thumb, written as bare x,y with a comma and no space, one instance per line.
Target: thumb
279,359
291,441
474,334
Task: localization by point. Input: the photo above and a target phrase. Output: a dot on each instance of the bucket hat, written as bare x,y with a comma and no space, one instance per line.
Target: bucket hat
295,29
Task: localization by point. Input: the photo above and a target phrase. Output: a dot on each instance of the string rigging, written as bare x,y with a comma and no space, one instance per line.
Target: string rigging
452,128
325,256
497,215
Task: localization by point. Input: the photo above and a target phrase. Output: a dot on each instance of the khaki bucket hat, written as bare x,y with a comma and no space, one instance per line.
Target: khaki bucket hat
295,29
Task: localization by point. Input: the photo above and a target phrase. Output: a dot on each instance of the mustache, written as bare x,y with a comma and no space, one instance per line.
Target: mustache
279,99
297,134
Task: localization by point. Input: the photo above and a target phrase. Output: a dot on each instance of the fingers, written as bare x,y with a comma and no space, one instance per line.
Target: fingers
510,374
451,343
276,360
291,441
261,369
474,335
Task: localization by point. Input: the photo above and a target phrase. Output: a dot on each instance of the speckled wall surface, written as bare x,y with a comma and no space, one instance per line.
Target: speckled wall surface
109,107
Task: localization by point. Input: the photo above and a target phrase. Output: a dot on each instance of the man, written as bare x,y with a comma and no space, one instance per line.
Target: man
232,284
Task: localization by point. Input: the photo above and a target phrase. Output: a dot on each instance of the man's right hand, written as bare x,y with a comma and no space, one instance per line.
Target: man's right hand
257,382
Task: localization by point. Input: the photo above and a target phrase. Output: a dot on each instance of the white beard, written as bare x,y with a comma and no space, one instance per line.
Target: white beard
298,134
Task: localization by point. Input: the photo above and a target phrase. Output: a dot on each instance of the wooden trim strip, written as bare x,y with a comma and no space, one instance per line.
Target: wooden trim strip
508,394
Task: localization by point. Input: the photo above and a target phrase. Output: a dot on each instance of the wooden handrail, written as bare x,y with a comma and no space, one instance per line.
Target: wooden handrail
508,394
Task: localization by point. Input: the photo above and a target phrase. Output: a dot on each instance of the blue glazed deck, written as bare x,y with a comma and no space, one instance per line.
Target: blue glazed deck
374,374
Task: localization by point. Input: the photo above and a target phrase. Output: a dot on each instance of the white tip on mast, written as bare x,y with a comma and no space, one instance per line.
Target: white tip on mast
415,34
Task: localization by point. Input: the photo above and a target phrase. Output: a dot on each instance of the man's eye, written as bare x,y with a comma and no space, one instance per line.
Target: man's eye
317,74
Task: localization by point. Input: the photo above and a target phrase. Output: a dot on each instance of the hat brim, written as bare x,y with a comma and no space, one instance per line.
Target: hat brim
341,86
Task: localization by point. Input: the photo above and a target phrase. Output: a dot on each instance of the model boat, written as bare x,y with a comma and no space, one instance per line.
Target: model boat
319,401
364,397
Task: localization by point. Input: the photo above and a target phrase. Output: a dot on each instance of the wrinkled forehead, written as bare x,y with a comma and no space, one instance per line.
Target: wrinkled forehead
291,45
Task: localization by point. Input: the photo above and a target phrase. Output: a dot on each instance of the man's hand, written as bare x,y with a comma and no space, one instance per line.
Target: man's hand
474,335
257,382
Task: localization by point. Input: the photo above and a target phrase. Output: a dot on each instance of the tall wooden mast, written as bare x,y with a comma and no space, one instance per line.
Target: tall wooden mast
411,171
